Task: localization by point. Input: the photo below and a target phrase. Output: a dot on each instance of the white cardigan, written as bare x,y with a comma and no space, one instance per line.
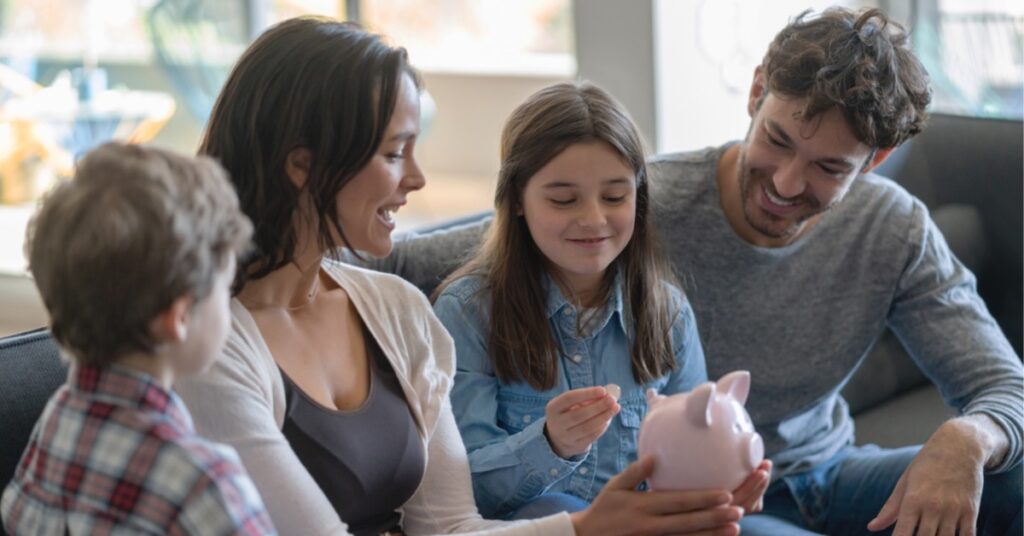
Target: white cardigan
240,401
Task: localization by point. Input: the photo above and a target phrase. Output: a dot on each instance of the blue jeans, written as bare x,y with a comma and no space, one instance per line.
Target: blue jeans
548,504
842,495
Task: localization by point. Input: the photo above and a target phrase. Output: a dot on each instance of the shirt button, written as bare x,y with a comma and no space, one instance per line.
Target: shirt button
567,311
554,472
576,358
583,470
527,418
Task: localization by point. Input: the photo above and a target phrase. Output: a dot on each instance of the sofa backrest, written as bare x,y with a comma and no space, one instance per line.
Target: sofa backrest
31,369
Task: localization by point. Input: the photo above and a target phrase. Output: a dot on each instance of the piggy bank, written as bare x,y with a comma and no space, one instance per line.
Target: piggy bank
703,439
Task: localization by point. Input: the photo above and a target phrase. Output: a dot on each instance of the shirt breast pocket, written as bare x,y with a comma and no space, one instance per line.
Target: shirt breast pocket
516,411
630,417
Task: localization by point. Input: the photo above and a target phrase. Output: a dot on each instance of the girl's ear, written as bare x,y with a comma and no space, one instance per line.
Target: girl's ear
297,165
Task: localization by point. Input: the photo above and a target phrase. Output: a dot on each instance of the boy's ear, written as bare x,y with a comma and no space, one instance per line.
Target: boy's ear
297,165
171,325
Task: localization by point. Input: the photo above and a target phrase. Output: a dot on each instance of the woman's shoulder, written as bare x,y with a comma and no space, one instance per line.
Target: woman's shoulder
364,278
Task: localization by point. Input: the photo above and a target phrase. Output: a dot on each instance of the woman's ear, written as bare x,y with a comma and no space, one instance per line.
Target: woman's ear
297,165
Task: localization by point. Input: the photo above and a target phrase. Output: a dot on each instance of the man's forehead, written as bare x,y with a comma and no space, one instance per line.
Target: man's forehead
829,130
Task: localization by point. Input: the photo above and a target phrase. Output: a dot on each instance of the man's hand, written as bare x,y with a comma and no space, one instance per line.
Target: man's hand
576,418
940,492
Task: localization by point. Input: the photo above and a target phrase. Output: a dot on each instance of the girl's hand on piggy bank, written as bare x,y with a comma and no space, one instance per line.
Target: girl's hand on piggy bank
576,418
750,494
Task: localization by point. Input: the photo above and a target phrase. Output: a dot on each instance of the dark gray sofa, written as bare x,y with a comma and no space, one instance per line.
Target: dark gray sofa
967,170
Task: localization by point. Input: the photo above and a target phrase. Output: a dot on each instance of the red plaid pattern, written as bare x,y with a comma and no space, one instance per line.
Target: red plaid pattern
113,453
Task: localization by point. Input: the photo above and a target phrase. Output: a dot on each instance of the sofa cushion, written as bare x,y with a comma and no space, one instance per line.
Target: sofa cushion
31,369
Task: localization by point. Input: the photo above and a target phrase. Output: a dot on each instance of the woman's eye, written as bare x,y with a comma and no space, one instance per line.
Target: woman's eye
615,199
562,202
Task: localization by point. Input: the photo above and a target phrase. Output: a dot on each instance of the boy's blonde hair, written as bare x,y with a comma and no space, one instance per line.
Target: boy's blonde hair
136,229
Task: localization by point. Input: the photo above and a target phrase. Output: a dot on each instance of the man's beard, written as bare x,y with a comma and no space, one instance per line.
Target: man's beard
750,190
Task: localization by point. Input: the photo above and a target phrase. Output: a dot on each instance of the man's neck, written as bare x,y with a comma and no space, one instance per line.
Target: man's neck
729,196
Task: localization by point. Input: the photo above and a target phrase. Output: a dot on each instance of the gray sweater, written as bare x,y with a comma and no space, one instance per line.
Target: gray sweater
801,318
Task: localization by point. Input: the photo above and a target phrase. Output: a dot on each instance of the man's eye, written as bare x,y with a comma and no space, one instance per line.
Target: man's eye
775,142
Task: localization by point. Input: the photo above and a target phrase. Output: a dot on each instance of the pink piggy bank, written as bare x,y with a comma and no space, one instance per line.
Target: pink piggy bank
702,439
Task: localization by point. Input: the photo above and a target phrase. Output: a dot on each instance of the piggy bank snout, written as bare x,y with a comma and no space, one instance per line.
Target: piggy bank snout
751,451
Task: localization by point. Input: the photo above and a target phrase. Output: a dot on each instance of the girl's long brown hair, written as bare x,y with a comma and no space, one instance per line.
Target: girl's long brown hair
520,344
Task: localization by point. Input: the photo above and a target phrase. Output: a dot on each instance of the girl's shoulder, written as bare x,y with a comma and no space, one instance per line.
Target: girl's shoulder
465,289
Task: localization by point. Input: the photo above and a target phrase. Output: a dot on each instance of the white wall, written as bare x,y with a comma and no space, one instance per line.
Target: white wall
705,53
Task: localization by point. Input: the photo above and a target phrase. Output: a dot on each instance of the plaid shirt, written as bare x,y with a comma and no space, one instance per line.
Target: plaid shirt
115,453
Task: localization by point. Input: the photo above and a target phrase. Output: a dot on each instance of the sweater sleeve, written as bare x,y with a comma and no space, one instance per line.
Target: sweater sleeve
232,403
444,502
945,326
508,469
426,259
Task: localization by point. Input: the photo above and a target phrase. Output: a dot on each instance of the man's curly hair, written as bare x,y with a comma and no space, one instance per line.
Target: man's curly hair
859,61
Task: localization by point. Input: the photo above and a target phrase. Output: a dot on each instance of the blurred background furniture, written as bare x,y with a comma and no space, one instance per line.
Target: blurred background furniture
969,172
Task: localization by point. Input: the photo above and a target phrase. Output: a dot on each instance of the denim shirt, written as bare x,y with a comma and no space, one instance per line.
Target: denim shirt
502,424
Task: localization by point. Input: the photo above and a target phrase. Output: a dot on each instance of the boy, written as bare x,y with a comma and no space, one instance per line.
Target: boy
134,259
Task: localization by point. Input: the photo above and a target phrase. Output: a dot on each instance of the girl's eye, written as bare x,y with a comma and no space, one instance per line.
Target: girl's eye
393,157
562,202
617,199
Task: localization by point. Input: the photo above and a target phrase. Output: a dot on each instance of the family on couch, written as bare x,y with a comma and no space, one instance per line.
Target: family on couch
511,405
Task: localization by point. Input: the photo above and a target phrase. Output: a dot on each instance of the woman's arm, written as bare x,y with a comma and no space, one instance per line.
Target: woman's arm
444,504
508,469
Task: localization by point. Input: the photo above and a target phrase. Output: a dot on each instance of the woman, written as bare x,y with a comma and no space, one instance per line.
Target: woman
334,382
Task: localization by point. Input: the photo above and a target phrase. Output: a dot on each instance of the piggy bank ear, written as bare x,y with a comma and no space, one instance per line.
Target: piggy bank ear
737,384
698,405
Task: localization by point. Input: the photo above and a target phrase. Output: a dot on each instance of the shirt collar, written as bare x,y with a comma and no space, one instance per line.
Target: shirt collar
126,387
557,304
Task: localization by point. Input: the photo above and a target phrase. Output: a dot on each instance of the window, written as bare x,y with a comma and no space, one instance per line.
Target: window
973,51
157,66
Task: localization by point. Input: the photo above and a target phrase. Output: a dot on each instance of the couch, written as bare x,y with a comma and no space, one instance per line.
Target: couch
967,170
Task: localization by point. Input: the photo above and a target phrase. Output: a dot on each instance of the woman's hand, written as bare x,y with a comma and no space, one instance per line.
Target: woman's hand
576,418
622,510
750,494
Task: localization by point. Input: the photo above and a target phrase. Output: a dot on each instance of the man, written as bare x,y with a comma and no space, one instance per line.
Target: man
796,258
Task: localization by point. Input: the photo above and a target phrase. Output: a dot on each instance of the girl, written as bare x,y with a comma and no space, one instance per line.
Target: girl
567,314
334,382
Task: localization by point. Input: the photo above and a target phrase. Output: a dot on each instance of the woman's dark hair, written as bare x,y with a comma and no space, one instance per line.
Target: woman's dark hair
859,61
520,343
306,83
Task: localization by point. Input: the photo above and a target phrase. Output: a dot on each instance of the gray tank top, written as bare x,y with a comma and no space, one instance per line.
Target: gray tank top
368,461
